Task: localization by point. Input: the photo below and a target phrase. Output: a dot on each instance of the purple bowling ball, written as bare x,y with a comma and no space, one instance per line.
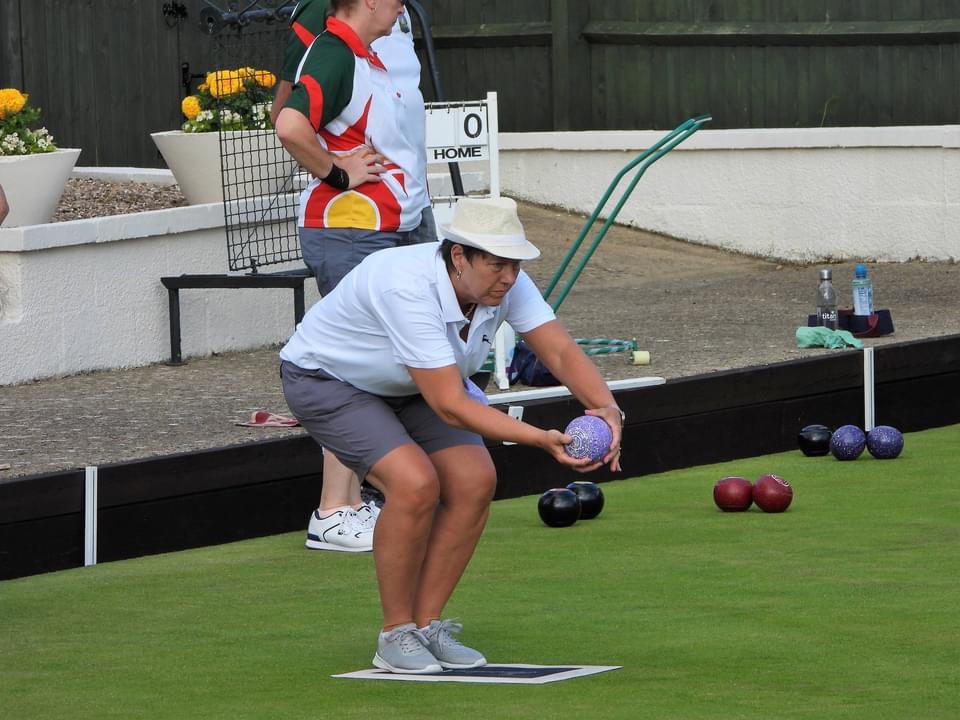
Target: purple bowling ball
847,442
591,437
884,442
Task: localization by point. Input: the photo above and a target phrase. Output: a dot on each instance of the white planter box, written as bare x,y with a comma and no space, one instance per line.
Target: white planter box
33,184
86,294
256,163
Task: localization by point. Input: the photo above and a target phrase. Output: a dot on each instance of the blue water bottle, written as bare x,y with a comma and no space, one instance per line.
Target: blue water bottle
862,292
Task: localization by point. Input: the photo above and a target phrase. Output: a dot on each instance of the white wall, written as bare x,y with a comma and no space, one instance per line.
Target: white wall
86,295
877,194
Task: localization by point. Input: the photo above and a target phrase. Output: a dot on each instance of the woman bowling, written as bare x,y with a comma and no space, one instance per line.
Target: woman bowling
375,373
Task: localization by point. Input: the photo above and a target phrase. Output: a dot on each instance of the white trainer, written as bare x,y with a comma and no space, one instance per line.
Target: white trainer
343,530
404,650
371,509
447,649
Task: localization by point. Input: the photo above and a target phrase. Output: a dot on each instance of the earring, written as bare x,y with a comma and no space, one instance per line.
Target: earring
459,274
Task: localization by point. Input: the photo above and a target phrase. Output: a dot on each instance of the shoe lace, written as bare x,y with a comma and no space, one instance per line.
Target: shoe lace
353,523
445,633
366,518
412,642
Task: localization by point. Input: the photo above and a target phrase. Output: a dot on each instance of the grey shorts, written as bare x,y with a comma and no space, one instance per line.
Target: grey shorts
360,428
331,253
426,231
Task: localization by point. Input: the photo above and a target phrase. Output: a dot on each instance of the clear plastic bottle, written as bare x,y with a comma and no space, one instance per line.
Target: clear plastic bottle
862,291
827,300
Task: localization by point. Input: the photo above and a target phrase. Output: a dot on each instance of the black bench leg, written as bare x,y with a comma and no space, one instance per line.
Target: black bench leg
298,308
173,296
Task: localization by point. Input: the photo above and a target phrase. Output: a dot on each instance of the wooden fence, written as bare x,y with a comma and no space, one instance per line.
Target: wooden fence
109,72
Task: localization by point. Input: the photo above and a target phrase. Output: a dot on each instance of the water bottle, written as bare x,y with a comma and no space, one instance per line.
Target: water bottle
862,292
827,300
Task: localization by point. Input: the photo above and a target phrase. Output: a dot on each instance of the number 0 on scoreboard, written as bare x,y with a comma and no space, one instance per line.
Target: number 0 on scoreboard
458,131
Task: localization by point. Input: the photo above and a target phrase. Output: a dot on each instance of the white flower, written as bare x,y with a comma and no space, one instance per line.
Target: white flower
12,145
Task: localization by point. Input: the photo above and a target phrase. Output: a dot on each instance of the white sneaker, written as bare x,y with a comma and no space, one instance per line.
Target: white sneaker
447,649
404,650
371,509
343,530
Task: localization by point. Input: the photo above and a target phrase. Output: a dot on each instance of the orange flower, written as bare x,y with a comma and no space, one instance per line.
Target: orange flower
190,106
11,101
265,78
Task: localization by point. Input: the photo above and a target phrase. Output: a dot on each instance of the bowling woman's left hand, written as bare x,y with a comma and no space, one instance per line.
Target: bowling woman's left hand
612,416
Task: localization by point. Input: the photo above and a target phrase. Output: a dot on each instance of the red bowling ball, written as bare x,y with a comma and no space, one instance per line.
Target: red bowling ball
772,493
733,494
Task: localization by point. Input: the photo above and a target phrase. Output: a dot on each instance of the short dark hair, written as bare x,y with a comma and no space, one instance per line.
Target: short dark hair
469,252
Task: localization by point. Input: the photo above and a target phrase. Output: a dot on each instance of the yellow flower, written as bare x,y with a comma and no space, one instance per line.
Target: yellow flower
224,82
190,106
265,78
11,101
201,87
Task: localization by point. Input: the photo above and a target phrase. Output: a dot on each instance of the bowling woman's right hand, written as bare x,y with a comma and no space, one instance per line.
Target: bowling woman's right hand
555,443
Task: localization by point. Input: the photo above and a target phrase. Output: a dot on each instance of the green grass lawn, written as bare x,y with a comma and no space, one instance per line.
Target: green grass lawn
845,606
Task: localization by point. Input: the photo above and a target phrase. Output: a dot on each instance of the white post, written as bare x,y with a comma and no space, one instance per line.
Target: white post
90,517
504,343
493,143
869,404
516,412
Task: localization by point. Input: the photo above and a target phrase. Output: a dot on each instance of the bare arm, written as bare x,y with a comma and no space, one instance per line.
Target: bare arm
443,390
280,99
298,137
560,353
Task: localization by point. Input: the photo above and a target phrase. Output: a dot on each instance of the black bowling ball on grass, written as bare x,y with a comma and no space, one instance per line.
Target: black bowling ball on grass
814,440
559,507
591,498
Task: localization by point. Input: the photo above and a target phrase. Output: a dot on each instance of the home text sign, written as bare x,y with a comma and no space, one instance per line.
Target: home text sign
457,131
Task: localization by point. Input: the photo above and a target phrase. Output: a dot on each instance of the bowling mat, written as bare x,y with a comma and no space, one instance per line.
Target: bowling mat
507,674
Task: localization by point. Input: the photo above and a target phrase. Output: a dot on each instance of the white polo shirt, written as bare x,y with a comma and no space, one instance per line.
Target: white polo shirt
397,309
397,52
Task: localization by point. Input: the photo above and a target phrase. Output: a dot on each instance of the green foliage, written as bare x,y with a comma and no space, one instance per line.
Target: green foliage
17,121
238,99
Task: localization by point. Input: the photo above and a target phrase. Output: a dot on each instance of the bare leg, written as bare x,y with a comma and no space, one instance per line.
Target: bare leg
340,485
408,480
467,484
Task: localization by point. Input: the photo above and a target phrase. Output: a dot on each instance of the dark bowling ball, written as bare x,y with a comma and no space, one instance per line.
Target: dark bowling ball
884,442
814,440
733,494
772,493
591,498
559,507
